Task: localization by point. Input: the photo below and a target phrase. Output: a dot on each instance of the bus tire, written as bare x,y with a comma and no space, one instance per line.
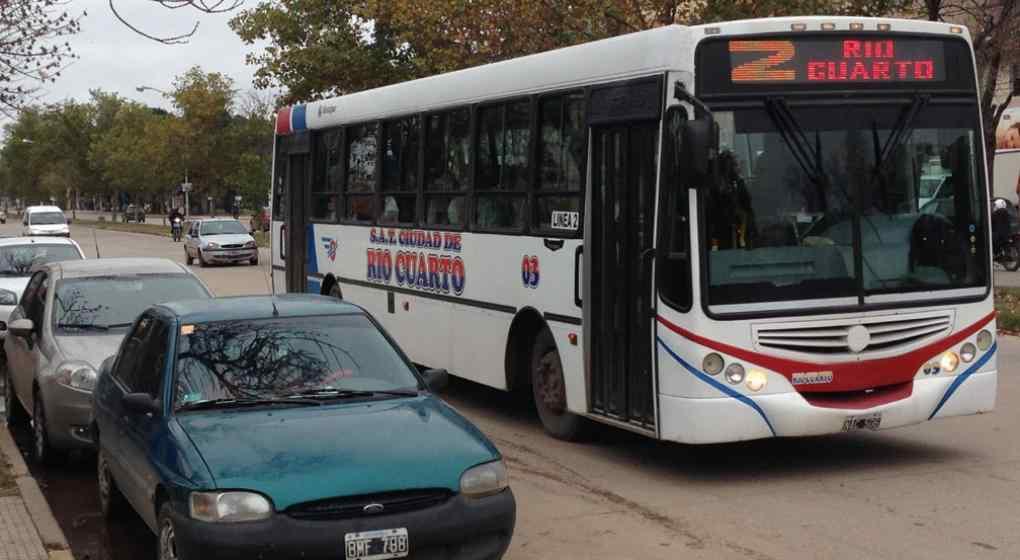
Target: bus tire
550,391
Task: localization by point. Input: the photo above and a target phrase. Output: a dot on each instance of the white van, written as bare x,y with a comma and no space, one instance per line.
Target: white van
45,220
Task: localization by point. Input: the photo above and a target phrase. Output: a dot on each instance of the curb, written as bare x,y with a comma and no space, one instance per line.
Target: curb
46,525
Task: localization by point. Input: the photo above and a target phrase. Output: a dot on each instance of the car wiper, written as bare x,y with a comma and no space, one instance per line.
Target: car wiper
83,326
352,393
243,402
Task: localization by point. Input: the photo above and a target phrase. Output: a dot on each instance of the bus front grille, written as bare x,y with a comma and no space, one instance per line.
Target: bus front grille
835,336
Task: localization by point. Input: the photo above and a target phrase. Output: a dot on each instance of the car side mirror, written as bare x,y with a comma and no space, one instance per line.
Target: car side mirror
699,145
22,328
140,403
107,365
436,379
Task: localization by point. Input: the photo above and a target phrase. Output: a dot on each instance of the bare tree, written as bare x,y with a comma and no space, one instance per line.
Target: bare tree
995,25
30,49
204,6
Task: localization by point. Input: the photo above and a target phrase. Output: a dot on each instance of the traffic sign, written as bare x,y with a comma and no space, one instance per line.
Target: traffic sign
186,187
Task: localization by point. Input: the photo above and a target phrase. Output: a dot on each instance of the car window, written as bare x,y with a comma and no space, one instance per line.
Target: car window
115,301
279,357
18,260
37,309
130,354
149,368
223,227
46,218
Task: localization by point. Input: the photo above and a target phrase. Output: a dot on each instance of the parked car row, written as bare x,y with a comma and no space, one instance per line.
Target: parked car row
292,426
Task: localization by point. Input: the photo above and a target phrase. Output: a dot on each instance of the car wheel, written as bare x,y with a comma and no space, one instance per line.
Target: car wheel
255,261
201,260
14,413
111,501
550,391
42,451
167,534
187,257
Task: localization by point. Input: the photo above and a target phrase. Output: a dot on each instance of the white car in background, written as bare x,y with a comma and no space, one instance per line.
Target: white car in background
19,257
45,220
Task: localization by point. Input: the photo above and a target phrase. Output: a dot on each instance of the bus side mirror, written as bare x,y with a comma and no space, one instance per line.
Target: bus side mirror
699,144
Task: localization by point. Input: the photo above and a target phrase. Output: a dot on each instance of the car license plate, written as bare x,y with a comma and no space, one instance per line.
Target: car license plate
377,545
862,422
235,254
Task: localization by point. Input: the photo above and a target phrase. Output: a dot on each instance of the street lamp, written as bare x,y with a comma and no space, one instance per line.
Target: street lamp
142,89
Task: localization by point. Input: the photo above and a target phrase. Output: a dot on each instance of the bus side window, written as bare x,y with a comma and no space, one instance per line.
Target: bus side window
674,269
362,165
562,153
503,165
447,166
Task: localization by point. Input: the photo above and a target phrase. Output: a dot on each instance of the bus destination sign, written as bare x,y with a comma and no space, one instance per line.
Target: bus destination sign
834,60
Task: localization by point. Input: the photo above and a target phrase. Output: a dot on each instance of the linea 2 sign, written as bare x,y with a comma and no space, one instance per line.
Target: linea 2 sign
565,220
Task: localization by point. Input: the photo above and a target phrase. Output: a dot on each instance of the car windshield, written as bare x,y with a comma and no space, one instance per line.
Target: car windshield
283,357
18,260
46,218
832,206
116,301
225,227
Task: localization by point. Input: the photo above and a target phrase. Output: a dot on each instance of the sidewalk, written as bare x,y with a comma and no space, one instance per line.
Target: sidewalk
28,530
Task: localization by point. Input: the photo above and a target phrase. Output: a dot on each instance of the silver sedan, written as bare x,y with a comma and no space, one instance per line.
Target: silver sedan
73,315
219,241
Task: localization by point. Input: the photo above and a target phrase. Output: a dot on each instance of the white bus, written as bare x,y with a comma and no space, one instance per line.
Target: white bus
755,261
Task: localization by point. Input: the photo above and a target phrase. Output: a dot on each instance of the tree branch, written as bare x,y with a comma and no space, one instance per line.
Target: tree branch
204,6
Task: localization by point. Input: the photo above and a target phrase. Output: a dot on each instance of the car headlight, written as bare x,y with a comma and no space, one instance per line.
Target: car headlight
77,375
484,480
229,507
250,244
211,245
8,297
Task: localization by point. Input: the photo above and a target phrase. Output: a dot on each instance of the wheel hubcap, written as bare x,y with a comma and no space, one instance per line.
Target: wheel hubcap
167,543
551,391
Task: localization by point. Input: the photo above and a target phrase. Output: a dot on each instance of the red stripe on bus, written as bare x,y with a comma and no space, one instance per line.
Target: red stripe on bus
847,376
283,121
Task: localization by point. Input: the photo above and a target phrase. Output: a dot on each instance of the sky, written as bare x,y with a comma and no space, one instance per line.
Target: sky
115,59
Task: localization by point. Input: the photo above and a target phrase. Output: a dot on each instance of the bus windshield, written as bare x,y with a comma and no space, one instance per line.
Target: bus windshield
838,204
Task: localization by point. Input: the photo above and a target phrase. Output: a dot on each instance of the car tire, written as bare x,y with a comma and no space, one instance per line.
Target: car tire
111,501
42,451
166,534
254,261
550,391
201,259
188,258
14,413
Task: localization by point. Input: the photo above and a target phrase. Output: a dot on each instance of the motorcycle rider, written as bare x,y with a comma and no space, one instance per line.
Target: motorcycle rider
176,219
1000,224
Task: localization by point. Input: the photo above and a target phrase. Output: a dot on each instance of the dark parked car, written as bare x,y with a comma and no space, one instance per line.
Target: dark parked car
291,427
134,213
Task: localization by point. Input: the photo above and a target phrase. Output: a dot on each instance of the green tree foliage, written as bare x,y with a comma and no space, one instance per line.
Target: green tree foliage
109,145
320,48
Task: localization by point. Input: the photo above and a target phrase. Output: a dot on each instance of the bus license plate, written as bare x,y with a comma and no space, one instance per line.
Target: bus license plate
377,545
862,422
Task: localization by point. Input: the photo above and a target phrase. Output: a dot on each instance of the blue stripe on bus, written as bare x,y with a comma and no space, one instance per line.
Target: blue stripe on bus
963,377
298,119
312,258
728,391
314,286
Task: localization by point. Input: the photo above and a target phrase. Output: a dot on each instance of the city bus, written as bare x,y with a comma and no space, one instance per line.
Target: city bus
701,234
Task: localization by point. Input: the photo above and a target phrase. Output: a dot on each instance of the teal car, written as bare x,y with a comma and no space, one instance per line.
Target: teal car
291,427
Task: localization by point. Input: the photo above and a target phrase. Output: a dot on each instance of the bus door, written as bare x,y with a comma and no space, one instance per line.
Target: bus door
620,291
295,239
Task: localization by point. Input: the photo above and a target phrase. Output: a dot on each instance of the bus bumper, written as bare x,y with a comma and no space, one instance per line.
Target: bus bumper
717,420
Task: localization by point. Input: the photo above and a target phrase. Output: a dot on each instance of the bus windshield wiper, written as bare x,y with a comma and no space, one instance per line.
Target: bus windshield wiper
899,134
84,326
791,132
243,402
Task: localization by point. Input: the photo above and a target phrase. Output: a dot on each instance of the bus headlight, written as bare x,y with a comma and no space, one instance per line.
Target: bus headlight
967,352
735,374
949,361
756,380
984,340
712,364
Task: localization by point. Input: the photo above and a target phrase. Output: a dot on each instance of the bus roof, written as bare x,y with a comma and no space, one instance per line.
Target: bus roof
617,58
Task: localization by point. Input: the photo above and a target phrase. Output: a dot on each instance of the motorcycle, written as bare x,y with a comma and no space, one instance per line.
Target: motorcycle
175,229
1006,235
1007,253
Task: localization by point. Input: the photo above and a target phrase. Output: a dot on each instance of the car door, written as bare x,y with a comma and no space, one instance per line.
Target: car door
28,354
114,431
141,429
16,348
191,239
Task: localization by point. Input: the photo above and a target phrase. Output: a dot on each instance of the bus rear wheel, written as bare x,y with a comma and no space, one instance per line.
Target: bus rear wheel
550,391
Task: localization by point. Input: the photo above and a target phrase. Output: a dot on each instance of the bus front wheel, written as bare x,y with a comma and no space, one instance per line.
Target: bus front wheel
550,391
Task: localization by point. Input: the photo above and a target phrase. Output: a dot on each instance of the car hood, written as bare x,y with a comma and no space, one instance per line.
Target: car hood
227,239
302,454
90,347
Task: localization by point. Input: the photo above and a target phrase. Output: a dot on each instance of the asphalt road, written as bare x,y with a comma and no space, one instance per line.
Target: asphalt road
942,490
